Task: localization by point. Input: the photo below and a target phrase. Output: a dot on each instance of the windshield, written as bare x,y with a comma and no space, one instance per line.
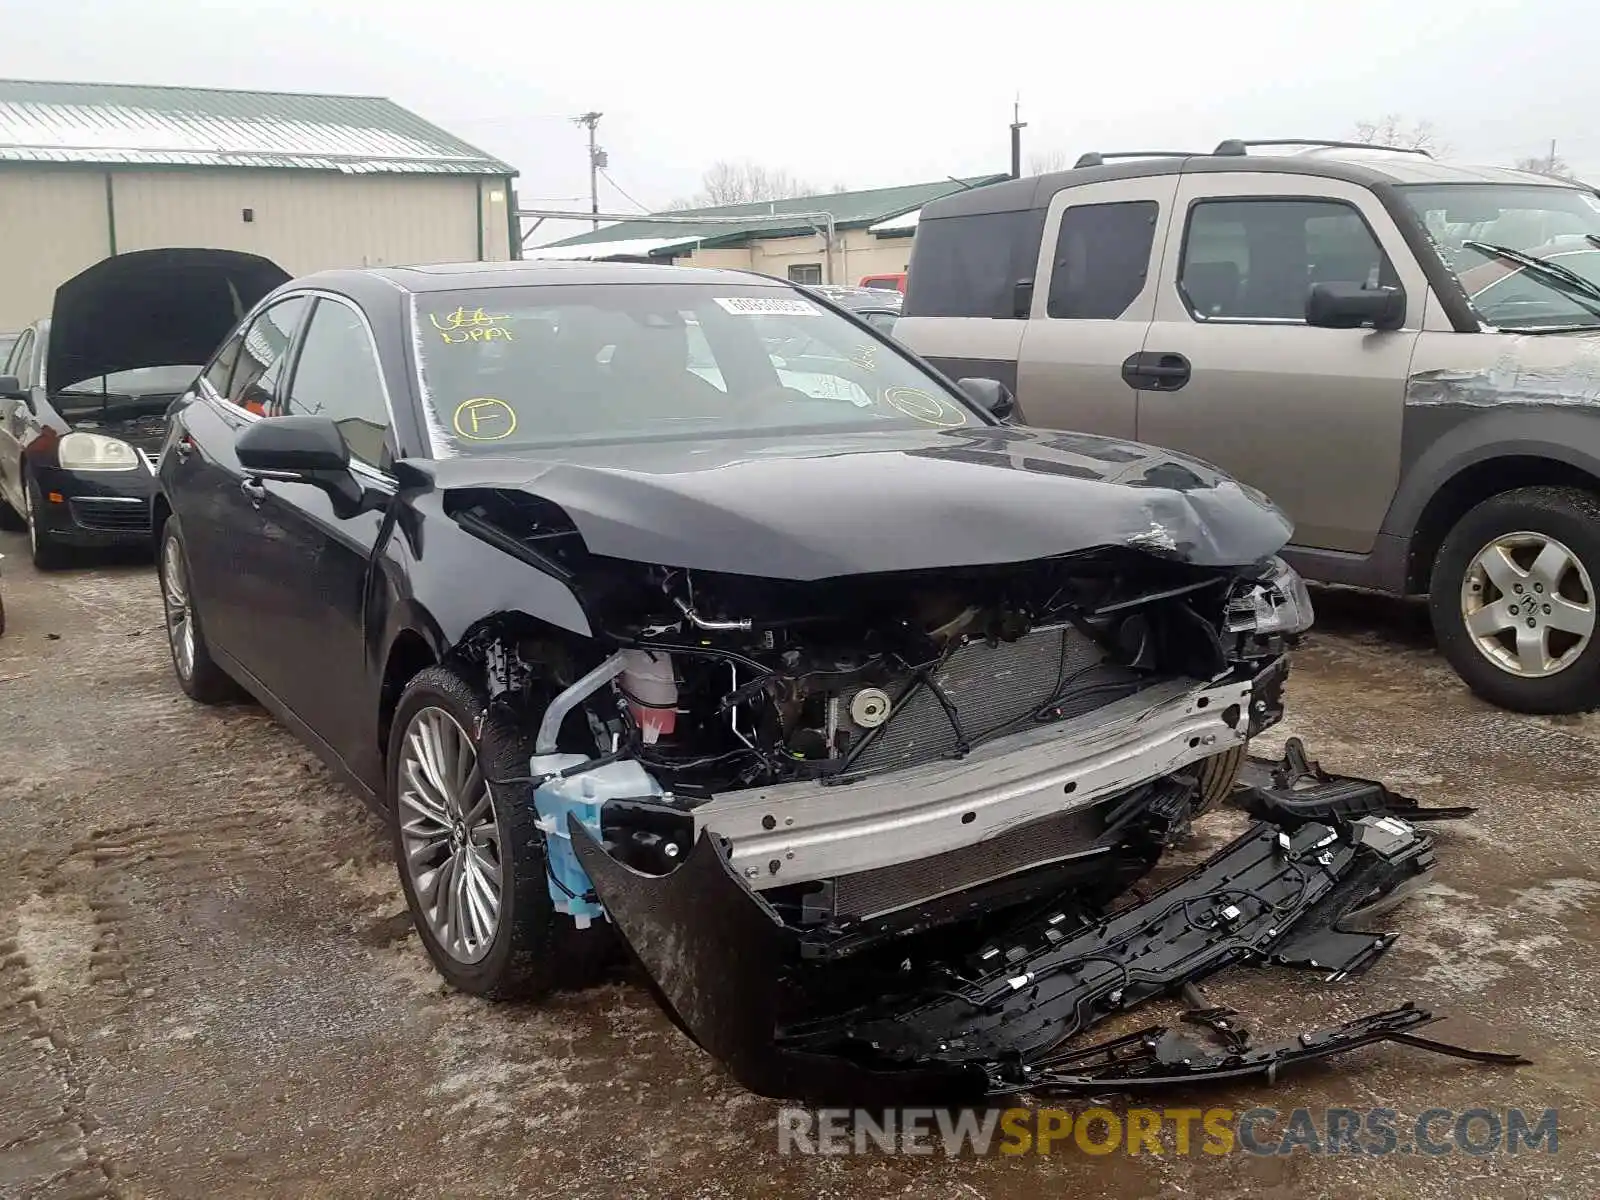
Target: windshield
535,366
141,382
1550,223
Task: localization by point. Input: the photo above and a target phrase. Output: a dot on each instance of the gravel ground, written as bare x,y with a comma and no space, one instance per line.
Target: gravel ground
208,983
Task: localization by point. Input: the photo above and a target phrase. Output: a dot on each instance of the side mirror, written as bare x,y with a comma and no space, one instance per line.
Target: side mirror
11,388
1351,305
293,446
991,395
306,450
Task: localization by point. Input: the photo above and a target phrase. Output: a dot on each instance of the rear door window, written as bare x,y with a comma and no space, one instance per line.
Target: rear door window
257,376
1102,259
969,266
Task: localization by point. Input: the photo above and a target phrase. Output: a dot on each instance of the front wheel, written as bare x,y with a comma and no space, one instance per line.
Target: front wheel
1513,599
47,553
198,674
471,858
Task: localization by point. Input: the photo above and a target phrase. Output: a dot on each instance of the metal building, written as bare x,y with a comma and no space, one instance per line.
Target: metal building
90,170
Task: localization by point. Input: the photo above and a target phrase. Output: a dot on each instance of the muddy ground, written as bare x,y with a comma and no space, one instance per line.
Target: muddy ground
208,985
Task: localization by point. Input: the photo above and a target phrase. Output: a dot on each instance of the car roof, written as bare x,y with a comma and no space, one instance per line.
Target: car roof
1364,166
447,277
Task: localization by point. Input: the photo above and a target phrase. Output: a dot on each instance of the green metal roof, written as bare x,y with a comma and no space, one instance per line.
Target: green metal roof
776,218
124,124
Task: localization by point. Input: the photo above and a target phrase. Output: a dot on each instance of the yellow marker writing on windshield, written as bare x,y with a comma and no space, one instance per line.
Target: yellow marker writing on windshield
484,419
471,326
924,406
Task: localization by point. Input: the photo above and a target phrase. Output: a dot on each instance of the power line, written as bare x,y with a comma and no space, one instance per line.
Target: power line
607,176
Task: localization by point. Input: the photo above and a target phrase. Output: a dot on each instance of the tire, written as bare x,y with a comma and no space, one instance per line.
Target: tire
47,553
533,949
10,518
203,681
1521,537
1215,776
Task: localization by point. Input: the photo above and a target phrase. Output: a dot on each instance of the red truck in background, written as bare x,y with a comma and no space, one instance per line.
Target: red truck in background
892,283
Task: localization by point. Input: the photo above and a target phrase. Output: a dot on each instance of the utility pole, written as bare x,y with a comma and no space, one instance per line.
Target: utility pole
1551,164
597,162
1017,126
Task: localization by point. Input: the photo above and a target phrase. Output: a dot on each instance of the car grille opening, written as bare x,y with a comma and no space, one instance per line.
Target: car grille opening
110,514
983,689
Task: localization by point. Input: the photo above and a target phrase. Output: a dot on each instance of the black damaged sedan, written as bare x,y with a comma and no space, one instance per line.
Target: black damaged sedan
84,393
681,608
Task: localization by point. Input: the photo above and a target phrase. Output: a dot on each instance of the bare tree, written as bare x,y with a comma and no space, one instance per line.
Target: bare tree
1551,164
1045,161
1397,130
744,183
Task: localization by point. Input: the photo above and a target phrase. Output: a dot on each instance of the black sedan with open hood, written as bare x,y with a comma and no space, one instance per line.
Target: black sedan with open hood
84,393
683,610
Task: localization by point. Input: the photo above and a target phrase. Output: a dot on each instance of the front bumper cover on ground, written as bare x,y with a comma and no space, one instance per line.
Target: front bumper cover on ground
1292,890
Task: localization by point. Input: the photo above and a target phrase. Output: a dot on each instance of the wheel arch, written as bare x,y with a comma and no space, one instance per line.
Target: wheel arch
1484,454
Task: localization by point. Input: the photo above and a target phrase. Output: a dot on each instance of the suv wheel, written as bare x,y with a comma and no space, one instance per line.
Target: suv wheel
1513,599
471,857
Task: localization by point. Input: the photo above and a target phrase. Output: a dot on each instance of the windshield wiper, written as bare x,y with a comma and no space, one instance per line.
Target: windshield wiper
1551,272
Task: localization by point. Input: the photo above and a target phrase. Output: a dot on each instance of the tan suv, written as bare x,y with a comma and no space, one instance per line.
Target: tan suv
1403,353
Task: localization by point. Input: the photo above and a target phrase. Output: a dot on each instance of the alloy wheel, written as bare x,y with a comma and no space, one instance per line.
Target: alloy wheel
449,835
175,598
1528,604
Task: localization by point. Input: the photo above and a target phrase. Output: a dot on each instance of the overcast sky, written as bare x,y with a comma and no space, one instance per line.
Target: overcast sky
861,94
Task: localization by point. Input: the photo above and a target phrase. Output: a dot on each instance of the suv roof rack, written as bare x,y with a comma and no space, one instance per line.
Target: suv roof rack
1095,157
1233,147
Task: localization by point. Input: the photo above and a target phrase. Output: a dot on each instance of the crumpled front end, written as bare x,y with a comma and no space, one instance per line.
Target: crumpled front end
946,1021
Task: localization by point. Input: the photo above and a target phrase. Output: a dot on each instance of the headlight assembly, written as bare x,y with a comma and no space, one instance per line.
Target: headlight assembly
1274,603
95,452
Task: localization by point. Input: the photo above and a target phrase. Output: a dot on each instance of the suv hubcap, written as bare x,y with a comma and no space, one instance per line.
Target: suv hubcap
1529,605
449,837
175,596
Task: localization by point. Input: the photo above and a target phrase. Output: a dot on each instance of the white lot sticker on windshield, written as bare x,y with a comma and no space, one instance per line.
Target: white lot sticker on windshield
778,306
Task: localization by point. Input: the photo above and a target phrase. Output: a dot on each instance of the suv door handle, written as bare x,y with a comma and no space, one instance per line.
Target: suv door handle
1154,371
255,490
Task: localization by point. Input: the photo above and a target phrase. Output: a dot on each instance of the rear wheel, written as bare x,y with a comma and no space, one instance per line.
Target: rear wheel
470,855
1513,599
199,677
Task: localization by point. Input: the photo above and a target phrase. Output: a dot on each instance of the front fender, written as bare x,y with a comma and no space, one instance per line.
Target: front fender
1442,441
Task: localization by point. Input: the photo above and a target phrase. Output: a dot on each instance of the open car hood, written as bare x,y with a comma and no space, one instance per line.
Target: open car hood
152,308
823,505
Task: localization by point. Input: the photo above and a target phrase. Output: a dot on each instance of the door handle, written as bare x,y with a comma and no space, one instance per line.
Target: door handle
1154,371
255,489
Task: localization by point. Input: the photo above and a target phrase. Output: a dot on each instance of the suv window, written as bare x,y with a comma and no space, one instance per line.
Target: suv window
1256,260
256,374
1102,259
337,375
969,266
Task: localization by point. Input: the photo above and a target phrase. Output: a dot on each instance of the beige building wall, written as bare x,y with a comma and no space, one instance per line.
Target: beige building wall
52,225
856,253
737,258
303,221
54,222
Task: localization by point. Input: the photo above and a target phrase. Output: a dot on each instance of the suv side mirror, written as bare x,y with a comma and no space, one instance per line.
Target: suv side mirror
991,395
11,388
1352,305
